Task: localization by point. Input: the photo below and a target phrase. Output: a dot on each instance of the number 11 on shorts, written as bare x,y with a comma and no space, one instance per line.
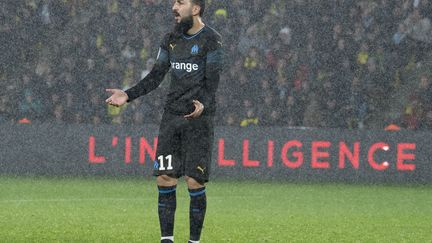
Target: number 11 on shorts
169,162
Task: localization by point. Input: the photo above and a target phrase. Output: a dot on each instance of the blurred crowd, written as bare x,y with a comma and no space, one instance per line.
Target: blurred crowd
336,64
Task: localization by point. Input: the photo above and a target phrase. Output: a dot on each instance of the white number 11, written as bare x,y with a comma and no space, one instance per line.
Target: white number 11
161,162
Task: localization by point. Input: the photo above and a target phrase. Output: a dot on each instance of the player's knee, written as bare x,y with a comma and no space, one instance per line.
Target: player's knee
164,180
192,183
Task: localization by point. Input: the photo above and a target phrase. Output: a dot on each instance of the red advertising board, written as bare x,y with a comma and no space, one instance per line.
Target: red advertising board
259,153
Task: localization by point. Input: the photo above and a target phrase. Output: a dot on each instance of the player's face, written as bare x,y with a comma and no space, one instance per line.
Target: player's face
182,10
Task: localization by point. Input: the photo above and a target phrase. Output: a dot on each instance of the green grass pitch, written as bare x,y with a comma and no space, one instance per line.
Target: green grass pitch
124,210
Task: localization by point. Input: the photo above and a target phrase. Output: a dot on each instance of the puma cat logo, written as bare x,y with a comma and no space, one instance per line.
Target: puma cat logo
201,169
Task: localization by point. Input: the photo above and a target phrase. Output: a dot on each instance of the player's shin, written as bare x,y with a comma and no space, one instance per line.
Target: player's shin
198,204
166,209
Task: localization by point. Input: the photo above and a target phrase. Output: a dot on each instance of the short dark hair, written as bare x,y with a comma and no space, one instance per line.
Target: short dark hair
200,3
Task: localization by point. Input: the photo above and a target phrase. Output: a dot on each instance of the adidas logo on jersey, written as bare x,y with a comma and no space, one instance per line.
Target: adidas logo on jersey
188,67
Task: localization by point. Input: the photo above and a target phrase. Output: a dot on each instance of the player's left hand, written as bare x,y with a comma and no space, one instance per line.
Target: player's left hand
199,107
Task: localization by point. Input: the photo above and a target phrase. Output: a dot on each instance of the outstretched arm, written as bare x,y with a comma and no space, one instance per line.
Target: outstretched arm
147,84
152,80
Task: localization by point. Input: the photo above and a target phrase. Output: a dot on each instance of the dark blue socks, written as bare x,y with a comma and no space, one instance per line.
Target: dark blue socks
198,204
166,209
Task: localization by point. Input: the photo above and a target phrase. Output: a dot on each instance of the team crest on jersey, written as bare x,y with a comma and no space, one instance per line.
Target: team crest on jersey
194,50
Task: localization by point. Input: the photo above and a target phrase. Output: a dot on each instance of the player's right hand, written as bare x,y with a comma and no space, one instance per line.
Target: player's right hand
118,97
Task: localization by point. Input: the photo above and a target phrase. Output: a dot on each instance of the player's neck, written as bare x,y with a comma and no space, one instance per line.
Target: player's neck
197,26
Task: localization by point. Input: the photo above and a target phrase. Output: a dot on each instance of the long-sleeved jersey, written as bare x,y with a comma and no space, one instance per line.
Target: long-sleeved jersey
195,62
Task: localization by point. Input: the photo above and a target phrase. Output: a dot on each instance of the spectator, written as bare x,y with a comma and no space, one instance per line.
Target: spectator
74,47
30,106
4,114
357,107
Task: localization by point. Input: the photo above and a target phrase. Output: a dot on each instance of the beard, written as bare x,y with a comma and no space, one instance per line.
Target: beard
184,26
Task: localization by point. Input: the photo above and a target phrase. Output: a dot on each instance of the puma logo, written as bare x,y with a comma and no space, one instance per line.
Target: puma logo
201,169
172,45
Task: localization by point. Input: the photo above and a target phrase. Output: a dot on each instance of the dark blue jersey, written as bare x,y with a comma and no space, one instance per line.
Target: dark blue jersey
195,63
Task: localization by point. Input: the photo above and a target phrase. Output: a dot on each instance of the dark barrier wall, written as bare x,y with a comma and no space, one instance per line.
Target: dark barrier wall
253,153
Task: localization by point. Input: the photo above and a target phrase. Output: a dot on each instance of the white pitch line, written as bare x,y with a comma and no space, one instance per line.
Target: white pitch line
111,199
71,200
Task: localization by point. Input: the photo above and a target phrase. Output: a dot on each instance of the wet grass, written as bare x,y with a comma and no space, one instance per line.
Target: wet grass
108,210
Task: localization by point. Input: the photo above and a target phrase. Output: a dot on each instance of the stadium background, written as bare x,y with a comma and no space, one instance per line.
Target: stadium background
298,65
339,63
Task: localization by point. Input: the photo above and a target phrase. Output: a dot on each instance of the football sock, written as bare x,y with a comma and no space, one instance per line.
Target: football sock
166,209
197,210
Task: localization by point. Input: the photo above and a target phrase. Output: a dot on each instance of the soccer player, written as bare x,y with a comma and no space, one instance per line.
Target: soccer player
193,54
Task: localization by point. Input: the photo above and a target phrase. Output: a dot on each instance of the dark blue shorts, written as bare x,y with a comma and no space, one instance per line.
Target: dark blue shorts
184,147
